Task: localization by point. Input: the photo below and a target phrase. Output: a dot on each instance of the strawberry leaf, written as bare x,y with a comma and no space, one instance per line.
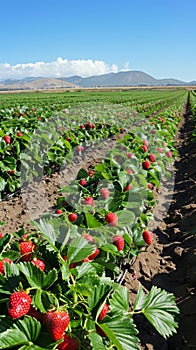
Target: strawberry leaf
12,338
120,299
79,249
91,221
96,341
29,326
33,274
159,308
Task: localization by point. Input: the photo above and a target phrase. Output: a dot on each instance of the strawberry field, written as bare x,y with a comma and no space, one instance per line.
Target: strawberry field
62,269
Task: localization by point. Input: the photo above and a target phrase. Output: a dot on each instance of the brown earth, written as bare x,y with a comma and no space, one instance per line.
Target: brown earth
169,263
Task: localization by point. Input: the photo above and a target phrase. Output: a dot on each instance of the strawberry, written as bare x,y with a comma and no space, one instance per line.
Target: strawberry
119,242
83,182
127,188
19,134
94,254
72,217
104,192
153,131
2,264
152,157
145,148
36,314
1,235
145,142
7,139
90,125
90,172
146,164
159,149
12,171
56,323
26,249
129,171
169,154
89,201
58,211
68,343
150,186
103,312
19,304
82,126
129,155
147,236
39,263
111,219
80,148
88,237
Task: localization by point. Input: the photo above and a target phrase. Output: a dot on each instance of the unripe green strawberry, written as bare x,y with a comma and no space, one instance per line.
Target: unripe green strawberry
111,219
147,236
68,343
19,304
119,242
56,323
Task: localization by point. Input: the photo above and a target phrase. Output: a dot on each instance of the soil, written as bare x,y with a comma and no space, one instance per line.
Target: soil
169,263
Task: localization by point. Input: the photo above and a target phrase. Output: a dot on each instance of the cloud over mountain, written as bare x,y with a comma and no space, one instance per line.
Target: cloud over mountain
57,68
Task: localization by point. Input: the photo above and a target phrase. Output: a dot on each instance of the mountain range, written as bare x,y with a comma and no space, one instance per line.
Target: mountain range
124,78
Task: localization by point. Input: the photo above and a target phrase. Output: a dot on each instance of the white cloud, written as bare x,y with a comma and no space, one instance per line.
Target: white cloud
57,68
126,67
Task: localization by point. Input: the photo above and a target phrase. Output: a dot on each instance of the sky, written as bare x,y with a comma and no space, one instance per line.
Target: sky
61,38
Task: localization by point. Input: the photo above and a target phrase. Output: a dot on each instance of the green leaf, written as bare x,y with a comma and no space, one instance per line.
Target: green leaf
125,218
91,221
43,300
99,295
33,274
30,327
122,332
79,249
96,341
160,309
48,231
120,299
82,174
50,278
32,347
12,338
4,242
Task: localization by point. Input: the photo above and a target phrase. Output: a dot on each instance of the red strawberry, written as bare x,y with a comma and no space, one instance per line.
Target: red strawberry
82,126
146,164
150,186
153,131
145,142
152,157
169,154
59,211
105,192
68,138
129,171
39,263
1,235
145,148
129,155
72,217
26,249
68,343
80,148
159,149
90,125
94,254
83,182
11,172
89,201
56,323
127,188
111,219
147,236
2,264
72,265
119,242
88,237
36,314
19,134
90,172
19,304
7,139
103,312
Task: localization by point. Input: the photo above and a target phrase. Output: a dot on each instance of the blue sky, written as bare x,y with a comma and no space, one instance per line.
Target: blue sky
67,37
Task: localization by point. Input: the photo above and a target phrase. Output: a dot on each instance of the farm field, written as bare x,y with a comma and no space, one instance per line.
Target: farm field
102,185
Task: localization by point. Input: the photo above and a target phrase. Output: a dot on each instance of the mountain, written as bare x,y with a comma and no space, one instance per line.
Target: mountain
124,78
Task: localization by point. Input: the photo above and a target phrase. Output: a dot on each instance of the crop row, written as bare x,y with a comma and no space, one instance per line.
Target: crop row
58,283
